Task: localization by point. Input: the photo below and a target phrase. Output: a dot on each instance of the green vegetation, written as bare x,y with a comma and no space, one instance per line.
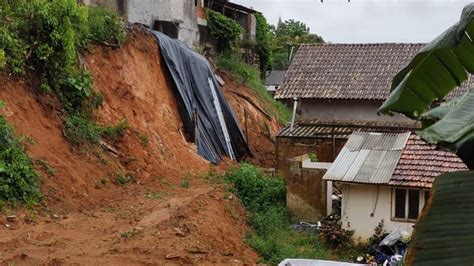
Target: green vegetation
287,34
81,130
433,73
105,26
185,182
102,182
18,178
224,30
46,38
313,157
273,238
122,179
251,78
264,43
46,167
143,137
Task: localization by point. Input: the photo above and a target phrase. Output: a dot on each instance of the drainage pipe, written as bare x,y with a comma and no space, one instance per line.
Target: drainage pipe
293,116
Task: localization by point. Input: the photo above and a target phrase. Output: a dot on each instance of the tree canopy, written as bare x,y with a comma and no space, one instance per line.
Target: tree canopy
287,34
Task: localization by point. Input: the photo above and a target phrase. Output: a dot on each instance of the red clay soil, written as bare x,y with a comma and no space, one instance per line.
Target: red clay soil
261,126
155,220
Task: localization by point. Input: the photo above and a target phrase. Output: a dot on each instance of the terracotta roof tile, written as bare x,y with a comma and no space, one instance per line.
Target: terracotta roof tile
421,162
346,71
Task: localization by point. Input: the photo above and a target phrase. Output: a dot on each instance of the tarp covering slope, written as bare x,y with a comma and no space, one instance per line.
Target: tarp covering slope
217,131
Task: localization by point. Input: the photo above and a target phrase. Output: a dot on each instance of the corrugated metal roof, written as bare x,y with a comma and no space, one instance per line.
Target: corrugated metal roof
340,129
368,157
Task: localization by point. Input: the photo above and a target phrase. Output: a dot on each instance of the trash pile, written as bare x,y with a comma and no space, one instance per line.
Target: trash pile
390,251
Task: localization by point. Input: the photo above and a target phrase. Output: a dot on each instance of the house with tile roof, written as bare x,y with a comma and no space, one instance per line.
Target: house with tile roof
386,176
339,88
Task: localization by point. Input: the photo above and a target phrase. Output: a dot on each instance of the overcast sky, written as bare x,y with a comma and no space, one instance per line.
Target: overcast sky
362,21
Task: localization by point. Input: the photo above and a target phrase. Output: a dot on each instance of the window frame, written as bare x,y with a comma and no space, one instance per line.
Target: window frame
421,203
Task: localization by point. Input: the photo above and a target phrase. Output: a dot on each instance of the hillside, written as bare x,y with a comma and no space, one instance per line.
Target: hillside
165,212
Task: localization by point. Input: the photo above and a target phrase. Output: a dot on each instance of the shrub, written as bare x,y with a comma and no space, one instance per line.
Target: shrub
18,178
80,130
12,48
264,44
3,60
122,179
256,191
313,157
105,26
251,78
264,198
335,236
47,36
224,30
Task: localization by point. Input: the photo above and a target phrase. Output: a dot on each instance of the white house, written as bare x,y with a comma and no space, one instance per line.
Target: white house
386,176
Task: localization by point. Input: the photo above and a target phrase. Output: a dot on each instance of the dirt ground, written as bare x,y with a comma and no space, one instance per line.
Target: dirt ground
86,217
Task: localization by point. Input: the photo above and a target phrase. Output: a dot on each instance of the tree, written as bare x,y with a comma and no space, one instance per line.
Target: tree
444,233
288,34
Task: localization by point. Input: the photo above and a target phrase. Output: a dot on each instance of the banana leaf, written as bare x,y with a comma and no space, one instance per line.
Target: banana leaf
454,128
444,233
435,71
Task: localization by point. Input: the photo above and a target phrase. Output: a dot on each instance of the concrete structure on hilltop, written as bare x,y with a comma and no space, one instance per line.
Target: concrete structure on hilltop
181,19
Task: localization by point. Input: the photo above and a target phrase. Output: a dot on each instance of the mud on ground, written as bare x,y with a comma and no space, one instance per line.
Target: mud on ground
169,214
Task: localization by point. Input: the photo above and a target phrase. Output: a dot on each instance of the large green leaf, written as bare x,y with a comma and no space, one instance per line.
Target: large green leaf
444,233
454,127
435,71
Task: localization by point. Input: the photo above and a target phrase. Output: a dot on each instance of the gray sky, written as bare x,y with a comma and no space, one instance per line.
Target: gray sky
362,21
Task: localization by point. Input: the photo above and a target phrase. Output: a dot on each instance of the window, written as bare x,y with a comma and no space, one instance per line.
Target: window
400,198
169,28
413,203
407,203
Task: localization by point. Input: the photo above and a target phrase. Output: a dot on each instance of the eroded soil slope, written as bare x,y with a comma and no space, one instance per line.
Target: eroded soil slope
261,125
168,215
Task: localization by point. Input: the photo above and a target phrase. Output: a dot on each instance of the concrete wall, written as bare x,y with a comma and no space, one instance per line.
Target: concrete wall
288,148
178,11
360,201
306,195
345,110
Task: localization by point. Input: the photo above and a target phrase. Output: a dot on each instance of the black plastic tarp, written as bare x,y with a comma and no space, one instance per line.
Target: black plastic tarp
200,99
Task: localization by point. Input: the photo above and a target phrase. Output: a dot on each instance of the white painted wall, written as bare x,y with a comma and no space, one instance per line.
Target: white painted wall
345,110
359,201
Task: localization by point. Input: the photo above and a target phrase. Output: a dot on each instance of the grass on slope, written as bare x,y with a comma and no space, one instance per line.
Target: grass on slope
251,78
